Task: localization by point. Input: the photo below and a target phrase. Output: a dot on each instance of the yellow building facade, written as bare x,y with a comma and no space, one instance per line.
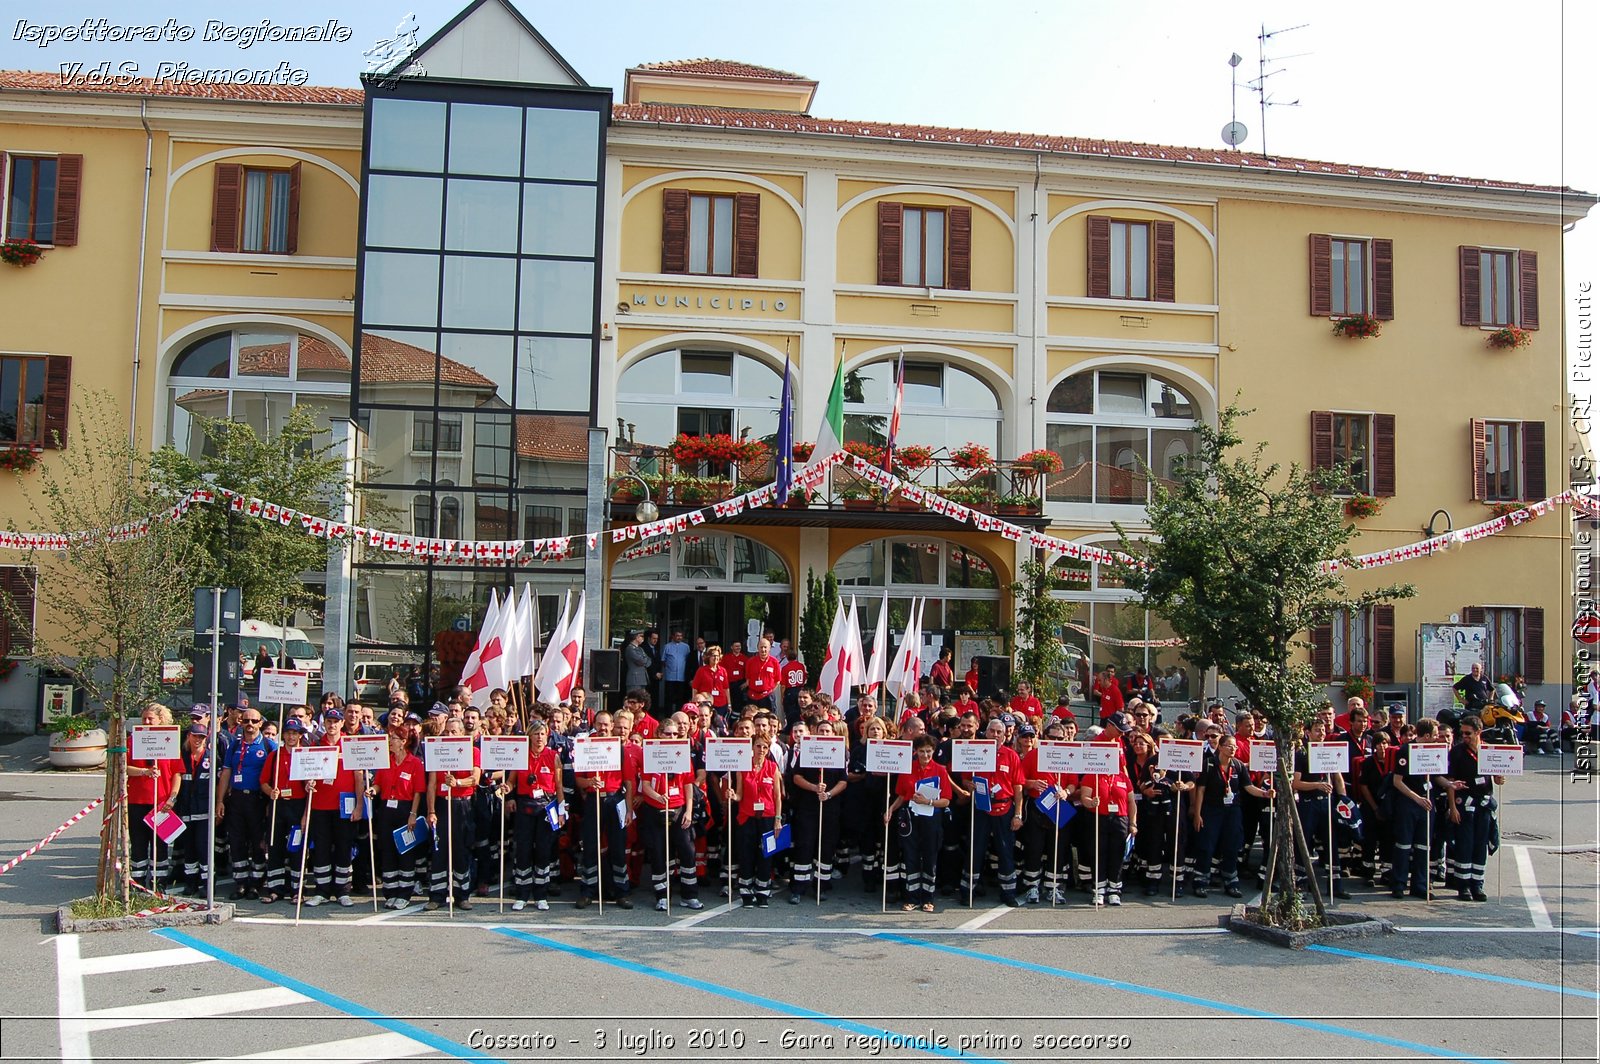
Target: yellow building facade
1042,294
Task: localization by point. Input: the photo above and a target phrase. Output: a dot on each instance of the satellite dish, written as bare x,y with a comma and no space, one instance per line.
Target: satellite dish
1233,134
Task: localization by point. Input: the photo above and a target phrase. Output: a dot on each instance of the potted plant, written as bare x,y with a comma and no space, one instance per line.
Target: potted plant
20,252
626,489
1509,338
18,459
913,457
1042,460
76,741
1359,687
692,491
972,456
800,498
859,497
1359,506
801,451
1505,509
971,495
1017,502
868,453
1357,326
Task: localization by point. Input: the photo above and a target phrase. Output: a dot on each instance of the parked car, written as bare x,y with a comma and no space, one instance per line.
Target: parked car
372,680
253,635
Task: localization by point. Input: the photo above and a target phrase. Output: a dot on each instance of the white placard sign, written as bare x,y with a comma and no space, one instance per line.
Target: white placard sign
1182,755
669,756
593,755
154,742
889,755
1328,757
504,753
1496,760
1056,755
447,753
1101,759
822,751
973,755
313,763
364,751
283,686
1263,756
1430,759
729,753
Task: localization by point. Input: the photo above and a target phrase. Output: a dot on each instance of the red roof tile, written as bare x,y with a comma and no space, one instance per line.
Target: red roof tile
785,122
553,437
721,68
272,360
53,81
387,361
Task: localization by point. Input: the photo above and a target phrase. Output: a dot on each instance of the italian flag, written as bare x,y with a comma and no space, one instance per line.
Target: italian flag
830,436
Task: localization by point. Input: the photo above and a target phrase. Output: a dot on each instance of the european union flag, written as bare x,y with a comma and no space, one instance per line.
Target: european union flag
783,460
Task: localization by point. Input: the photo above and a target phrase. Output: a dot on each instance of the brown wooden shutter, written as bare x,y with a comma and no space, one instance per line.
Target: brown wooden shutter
958,224
891,220
1321,275
674,231
1383,643
1533,483
1383,455
1100,258
293,243
747,234
1322,651
1528,280
1474,615
1165,288
1321,439
1533,644
1471,290
227,203
69,192
57,400
1480,450
17,584
1383,280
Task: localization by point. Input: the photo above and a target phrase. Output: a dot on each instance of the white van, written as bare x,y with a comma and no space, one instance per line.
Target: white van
253,635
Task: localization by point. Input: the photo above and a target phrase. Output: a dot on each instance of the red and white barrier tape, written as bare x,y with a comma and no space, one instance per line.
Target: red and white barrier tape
176,906
42,843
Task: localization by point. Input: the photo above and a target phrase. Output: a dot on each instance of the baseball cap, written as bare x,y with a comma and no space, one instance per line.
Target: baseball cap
439,710
1027,731
413,718
1120,722
198,729
1397,711
1538,702
293,724
332,714
201,710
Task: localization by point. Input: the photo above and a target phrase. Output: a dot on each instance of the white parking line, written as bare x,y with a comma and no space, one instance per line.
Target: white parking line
702,917
69,1001
985,918
1530,889
373,1047
189,1008
138,962
383,918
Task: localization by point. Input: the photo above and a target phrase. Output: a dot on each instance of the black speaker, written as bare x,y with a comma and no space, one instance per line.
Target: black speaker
227,673
605,671
994,675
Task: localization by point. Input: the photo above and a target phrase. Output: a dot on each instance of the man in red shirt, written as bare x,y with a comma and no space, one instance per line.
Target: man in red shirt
761,678
612,793
1024,704
336,809
1005,785
793,675
734,661
1109,693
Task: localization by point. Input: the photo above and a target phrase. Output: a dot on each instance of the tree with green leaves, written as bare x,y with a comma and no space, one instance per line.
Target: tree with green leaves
1041,617
295,467
108,604
816,620
1235,562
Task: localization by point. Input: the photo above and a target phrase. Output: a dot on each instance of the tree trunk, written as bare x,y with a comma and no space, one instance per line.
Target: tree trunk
1311,873
109,805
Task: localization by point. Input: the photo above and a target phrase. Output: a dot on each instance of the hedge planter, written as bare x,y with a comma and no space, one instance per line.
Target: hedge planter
1341,927
84,751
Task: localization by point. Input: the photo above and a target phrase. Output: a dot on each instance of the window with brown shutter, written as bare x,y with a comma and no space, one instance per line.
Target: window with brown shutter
1383,643
1166,263
1514,643
1528,289
1533,482
960,219
43,194
1099,258
1383,446
674,231
69,193
747,235
57,400
1480,459
1351,275
1322,652
1321,275
34,395
712,234
890,218
1471,291
1499,287
226,199
18,587
1508,460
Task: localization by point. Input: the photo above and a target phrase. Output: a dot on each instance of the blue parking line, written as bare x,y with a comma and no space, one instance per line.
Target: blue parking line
1463,972
1189,999
333,1001
915,1043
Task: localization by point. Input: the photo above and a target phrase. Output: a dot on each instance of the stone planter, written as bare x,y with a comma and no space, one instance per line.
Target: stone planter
1341,926
86,751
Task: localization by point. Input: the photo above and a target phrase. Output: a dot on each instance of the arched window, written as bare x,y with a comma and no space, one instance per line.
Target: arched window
961,585
1109,628
698,392
255,377
1109,427
944,405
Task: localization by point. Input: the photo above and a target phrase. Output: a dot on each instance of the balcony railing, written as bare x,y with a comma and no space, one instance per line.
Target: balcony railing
1001,488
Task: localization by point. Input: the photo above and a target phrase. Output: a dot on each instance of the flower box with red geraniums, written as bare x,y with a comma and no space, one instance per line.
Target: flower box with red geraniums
913,456
20,252
869,454
1510,337
1505,509
1359,687
1041,461
1359,506
18,459
801,452
1357,326
972,456
720,449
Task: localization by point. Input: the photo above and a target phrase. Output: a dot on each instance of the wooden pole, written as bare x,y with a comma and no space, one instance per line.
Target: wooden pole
305,847
599,858
450,850
1177,814
883,865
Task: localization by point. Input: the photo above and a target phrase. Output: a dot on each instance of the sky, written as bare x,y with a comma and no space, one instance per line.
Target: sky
1474,88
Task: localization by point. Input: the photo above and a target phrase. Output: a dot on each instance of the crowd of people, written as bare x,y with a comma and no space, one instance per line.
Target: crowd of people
1030,836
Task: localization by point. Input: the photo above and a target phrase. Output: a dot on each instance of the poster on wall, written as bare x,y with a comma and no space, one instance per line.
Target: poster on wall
1446,653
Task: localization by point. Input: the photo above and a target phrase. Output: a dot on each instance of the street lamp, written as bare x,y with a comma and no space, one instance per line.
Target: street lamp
646,511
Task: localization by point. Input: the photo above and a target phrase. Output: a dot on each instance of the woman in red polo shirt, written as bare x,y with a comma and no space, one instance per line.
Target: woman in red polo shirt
538,791
712,679
152,788
398,791
759,793
1109,798
289,799
927,790
454,847
666,820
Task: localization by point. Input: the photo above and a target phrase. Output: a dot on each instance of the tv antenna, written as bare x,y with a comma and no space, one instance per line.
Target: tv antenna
1259,85
1234,132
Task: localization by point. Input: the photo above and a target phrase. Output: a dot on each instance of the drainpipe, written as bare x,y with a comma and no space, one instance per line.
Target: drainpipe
138,305
1033,308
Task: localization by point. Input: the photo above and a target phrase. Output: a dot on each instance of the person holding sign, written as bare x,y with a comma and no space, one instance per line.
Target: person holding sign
1108,796
540,815
240,807
397,793
926,790
1471,808
1041,837
153,789
1415,765
283,874
193,804
666,820
1218,817
609,787
1153,793
1313,793
815,796
998,826
759,794
336,809
450,872
867,793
